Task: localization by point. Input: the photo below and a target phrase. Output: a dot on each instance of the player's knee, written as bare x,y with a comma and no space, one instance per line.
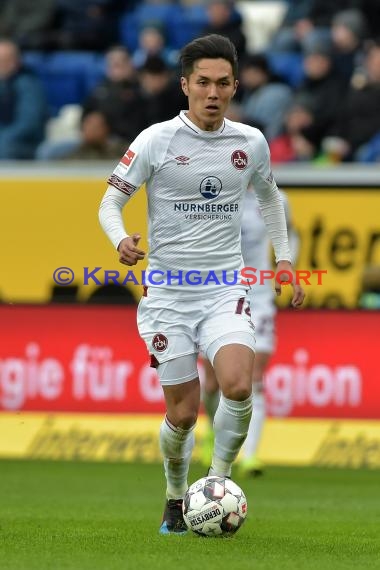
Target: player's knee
184,419
187,422
238,391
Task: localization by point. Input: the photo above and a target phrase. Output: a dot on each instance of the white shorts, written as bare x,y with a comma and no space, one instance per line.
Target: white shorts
264,319
173,328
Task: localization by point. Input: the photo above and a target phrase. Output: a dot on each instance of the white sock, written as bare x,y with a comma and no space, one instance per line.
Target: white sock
230,426
256,425
176,446
210,404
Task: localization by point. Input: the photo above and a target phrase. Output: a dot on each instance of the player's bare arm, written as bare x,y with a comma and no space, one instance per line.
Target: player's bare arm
130,254
298,293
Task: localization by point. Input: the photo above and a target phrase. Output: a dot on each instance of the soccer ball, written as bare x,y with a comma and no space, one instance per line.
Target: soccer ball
214,506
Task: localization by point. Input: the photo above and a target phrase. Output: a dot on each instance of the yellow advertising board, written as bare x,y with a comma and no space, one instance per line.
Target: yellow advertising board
339,233
52,222
96,437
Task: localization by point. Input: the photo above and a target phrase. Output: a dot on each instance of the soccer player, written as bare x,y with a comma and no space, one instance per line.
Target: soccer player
256,254
197,168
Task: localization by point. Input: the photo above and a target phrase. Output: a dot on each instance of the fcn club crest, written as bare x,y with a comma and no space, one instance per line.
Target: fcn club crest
160,342
239,159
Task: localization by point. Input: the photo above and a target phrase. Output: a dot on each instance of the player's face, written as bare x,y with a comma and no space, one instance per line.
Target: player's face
209,88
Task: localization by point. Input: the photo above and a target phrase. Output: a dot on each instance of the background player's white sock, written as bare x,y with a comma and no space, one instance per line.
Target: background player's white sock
176,446
231,423
257,421
210,403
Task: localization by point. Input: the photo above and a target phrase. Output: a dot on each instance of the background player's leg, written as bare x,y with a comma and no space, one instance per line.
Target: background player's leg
250,463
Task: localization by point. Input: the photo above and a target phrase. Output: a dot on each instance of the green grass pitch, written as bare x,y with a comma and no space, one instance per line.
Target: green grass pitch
91,516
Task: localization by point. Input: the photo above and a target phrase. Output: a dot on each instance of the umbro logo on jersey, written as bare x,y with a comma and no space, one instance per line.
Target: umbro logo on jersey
182,160
239,159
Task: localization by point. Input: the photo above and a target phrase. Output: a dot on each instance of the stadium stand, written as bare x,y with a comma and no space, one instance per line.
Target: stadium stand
67,76
288,65
70,76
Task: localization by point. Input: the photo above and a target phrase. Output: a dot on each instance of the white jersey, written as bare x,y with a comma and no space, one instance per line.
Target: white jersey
255,242
196,182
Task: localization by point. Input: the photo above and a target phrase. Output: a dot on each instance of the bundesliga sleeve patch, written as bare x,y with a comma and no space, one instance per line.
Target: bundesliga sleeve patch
128,158
121,185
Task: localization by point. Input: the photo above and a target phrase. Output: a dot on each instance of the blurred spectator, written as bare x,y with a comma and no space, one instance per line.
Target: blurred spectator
161,93
152,41
27,23
224,19
301,138
359,118
348,31
118,96
306,22
293,27
322,11
23,106
322,85
96,143
87,24
265,98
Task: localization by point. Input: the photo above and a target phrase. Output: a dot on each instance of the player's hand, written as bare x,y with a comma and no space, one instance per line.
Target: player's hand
285,274
130,254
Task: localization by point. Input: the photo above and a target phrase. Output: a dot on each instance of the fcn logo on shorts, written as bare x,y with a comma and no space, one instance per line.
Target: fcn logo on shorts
239,159
160,342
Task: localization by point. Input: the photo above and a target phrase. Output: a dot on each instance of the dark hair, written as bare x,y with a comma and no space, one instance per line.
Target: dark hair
212,46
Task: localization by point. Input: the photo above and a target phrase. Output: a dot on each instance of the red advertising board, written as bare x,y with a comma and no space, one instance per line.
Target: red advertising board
91,359
325,365
75,358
